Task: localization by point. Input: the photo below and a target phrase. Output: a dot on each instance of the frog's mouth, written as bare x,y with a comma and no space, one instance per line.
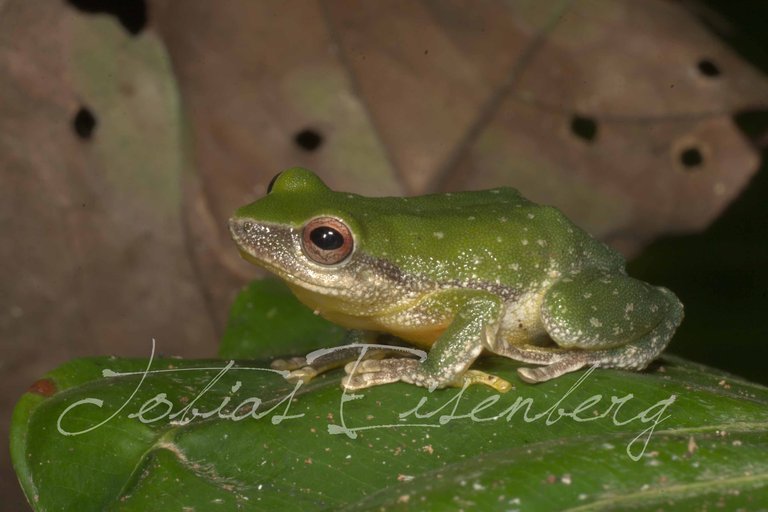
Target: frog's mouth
254,248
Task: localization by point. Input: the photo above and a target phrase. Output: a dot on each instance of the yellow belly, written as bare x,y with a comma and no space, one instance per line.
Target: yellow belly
330,308
422,337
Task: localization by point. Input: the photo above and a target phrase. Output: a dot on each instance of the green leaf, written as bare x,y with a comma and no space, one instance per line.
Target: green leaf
267,321
711,448
569,444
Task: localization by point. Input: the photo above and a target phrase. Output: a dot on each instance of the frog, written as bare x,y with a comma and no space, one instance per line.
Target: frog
457,274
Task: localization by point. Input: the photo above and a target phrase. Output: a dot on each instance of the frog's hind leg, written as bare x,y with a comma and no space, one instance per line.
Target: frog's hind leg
556,361
607,320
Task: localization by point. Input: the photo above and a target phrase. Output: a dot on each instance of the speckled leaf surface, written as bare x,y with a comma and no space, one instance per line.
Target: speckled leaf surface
711,447
237,436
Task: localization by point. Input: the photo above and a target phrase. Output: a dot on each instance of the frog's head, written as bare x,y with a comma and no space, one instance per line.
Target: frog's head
310,237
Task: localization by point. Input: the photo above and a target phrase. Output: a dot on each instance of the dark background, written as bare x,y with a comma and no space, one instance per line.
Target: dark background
723,280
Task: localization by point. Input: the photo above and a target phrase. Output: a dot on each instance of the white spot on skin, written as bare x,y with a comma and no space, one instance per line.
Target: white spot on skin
524,241
438,234
595,322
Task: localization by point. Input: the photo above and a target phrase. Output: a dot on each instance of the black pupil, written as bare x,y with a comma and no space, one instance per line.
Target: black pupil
326,238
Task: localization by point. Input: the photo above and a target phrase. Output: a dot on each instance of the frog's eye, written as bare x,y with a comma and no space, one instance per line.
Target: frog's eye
327,240
272,182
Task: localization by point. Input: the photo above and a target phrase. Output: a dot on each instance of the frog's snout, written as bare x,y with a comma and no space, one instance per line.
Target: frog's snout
238,228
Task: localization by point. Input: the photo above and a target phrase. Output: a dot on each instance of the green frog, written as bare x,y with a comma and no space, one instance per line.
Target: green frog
458,274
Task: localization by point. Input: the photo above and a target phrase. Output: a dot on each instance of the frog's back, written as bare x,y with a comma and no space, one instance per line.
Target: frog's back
493,236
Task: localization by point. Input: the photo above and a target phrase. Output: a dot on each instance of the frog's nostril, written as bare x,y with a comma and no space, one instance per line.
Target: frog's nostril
239,226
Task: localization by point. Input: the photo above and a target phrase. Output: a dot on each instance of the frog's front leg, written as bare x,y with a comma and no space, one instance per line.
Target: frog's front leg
299,369
447,364
608,320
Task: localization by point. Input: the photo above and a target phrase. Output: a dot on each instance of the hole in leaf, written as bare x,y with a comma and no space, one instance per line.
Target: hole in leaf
708,68
691,158
308,139
132,14
84,123
584,127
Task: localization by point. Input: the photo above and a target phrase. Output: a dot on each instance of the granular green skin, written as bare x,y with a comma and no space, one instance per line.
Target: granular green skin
459,273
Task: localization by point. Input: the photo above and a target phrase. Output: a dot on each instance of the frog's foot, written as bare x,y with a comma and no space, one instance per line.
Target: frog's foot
296,369
478,377
634,356
566,364
290,364
373,372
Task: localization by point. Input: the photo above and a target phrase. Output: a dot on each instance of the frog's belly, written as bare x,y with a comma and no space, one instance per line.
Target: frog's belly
520,325
403,323
421,335
520,322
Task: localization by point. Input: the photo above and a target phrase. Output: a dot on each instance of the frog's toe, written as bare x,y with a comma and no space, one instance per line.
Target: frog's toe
294,363
552,371
358,381
398,365
372,372
295,369
304,374
478,377
389,370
